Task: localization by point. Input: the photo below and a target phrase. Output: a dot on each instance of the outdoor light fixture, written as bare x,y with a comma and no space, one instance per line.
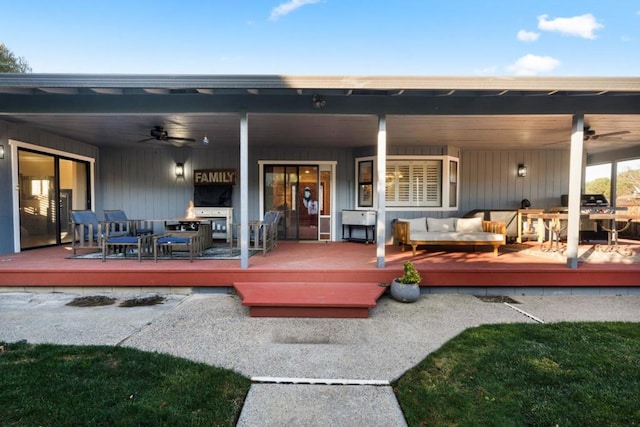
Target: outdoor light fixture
1,151
522,170
179,170
318,101
205,140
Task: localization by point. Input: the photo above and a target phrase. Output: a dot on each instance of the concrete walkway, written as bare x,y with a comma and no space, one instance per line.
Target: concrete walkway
305,371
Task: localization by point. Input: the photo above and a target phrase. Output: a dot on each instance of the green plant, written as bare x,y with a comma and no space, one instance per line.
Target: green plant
410,275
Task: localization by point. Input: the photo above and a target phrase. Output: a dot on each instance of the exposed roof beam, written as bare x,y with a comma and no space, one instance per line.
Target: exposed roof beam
157,91
60,90
107,90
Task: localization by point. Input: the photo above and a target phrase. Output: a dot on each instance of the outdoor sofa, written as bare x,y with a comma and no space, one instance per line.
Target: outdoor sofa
421,231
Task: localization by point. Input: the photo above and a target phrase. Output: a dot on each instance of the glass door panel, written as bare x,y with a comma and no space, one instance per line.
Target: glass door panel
73,193
280,192
37,205
308,203
50,187
324,203
294,191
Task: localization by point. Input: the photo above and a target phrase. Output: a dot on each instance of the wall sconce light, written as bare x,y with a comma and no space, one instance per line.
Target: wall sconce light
179,170
1,151
522,170
205,140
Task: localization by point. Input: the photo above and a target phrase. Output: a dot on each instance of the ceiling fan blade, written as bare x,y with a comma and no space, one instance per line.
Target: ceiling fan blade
145,139
555,143
604,135
177,138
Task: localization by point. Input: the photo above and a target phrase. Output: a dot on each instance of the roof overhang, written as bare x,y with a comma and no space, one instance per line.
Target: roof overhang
335,110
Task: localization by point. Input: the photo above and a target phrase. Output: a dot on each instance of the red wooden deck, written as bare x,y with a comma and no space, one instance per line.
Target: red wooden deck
317,262
309,299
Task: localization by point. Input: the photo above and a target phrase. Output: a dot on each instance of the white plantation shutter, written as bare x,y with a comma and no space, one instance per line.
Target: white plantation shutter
433,183
414,183
404,185
390,183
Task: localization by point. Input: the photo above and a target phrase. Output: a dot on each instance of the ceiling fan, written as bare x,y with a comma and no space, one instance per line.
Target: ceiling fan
592,135
160,134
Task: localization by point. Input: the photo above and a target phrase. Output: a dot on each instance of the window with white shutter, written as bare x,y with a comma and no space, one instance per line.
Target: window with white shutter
414,183
419,182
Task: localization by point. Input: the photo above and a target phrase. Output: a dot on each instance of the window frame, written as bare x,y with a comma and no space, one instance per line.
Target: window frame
448,185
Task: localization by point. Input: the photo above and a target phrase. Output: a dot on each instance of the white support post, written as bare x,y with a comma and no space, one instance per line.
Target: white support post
575,184
243,232
381,166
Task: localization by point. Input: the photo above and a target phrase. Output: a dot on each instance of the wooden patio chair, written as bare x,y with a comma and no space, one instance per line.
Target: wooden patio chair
88,232
117,220
123,244
263,235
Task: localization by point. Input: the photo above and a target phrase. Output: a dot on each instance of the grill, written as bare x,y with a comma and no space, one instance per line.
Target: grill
590,203
594,200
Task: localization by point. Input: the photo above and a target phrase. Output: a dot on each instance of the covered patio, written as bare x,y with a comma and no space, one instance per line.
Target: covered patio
491,126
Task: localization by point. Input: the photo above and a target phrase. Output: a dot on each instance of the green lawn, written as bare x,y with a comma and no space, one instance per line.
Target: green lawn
564,374
56,385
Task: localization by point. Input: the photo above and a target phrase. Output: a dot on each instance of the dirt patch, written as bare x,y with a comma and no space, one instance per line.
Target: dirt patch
497,298
91,301
137,302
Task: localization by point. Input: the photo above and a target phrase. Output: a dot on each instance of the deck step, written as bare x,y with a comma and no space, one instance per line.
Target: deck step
309,299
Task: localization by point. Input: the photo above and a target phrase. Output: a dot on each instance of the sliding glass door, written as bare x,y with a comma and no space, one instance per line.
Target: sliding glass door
50,187
294,191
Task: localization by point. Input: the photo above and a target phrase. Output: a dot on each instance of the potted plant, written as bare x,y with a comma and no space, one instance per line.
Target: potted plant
406,288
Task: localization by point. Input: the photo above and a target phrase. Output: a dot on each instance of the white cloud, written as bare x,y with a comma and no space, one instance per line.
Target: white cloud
527,36
531,65
286,8
580,26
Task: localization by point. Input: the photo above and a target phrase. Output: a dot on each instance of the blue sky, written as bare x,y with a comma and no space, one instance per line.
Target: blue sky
327,37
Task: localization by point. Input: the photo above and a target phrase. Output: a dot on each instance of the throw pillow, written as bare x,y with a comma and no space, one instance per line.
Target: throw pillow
469,225
441,224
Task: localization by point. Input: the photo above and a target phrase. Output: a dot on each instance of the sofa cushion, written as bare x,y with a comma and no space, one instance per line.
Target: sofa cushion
441,224
416,224
453,236
469,225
